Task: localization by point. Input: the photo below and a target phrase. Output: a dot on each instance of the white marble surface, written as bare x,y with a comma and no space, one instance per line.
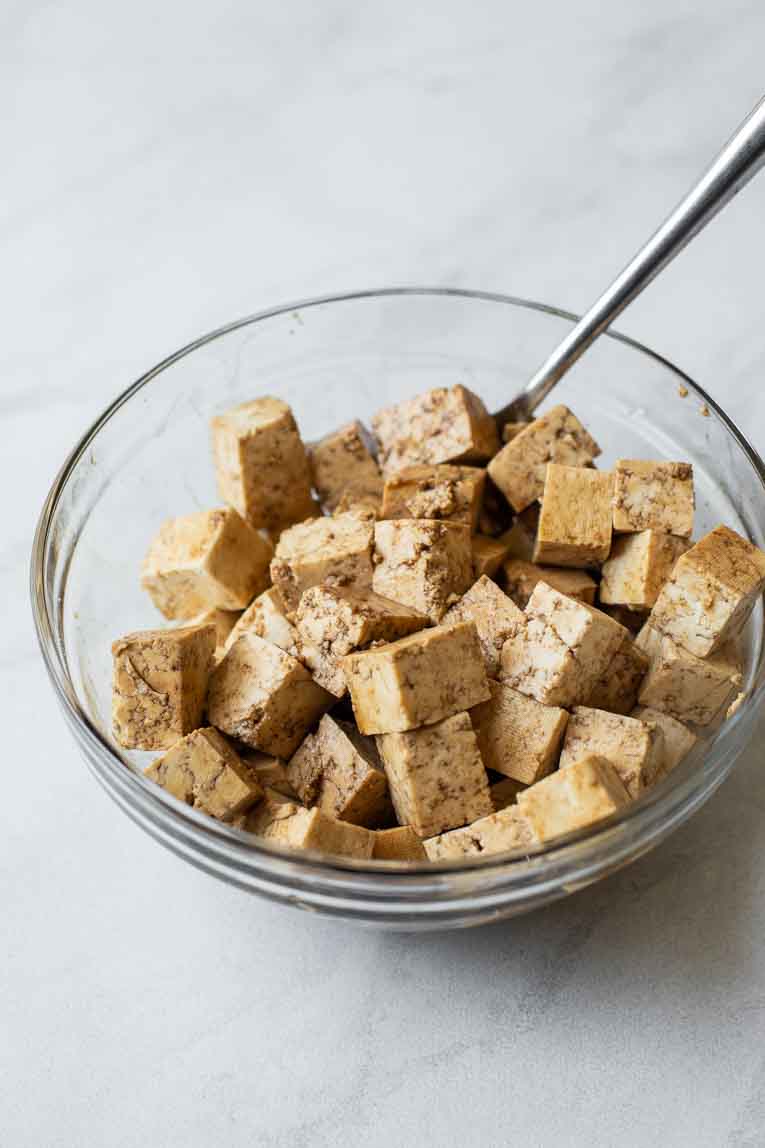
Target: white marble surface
168,167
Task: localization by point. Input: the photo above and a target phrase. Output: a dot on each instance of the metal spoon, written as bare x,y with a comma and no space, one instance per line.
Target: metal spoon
740,159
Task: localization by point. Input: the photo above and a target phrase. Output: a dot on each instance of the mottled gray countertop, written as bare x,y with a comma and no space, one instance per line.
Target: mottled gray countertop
168,167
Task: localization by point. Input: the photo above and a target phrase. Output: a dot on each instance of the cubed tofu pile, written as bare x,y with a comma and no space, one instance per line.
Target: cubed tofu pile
421,644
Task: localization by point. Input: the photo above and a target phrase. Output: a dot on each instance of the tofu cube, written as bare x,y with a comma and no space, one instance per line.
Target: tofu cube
436,777
583,794
447,424
261,464
499,832
520,467
521,538
653,495
423,678
711,592
398,844
518,736
266,617
616,690
343,464
223,621
264,697
519,579
560,650
424,564
488,555
339,771
204,561
638,566
160,681
269,771
504,792
365,504
575,520
336,551
283,823
634,748
678,739
203,771
448,493
512,430
688,688
494,616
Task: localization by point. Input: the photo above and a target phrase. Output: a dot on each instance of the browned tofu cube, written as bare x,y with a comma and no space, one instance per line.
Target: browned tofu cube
688,688
638,566
264,697
519,579
447,424
336,551
520,467
424,564
711,592
266,617
436,777
159,685
634,748
678,739
343,465
204,771
261,464
286,824
205,561
448,493
339,770
651,495
423,678
500,832
518,736
398,844
583,794
575,520
488,555
494,616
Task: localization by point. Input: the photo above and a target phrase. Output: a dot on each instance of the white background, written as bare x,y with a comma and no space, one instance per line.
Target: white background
170,166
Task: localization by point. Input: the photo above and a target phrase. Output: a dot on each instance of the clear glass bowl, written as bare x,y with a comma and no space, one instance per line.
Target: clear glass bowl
148,458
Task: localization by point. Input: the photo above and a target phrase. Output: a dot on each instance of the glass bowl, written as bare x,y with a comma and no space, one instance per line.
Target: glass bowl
147,458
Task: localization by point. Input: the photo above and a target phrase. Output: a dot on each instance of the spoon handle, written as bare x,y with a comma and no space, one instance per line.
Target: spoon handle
740,159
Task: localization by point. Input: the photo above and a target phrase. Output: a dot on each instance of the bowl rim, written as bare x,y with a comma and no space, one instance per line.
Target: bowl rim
658,810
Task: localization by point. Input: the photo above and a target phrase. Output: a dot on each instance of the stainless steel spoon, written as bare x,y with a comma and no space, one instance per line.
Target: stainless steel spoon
740,159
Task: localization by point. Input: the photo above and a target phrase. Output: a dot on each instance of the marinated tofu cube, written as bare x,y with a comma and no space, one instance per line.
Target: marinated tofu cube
223,621
583,794
423,678
678,739
504,792
575,520
488,555
518,736
365,504
261,464
270,772
653,495
343,464
499,832
448,493
283,823
339,770
262,696
519,469
203,771
204,561
336,551
560,650
494,616
447,424
519,579
688,688
436,777
266,617
159,685
275,806
398,844
634,748
638,566
617,688
711,592
424,564
333,621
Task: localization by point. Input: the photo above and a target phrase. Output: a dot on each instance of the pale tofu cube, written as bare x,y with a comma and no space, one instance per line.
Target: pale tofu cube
447,424
499,832
160,681
520,577
691,689
617,688
333,621
283,823
520,467
436,777
575,520
203,771
494,615
678,739
213,559
448,493
505,792
336,551
261,464
424,564
339,770
266,617
560,650
638,566
270,772
398,844
518,736
264,697
711,592
423,678
343,465
634,748
488,555
583,794
653,495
